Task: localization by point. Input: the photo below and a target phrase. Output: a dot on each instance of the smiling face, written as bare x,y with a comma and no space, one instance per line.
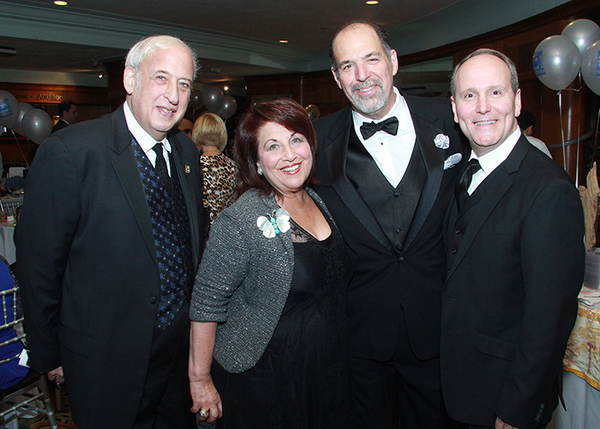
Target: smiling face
284,157
485,104
365,73
158,94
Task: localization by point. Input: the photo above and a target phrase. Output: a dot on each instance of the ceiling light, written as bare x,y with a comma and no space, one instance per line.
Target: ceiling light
283,41
60,3
372,2
225,88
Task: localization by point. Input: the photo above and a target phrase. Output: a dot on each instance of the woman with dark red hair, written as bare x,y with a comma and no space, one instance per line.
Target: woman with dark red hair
268,303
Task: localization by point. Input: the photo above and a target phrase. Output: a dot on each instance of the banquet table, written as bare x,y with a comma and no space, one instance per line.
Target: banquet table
581,383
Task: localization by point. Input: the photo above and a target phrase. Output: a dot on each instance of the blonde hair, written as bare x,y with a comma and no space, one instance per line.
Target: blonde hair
209,130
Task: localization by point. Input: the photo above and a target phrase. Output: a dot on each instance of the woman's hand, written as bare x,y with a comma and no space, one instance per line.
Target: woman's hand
206,398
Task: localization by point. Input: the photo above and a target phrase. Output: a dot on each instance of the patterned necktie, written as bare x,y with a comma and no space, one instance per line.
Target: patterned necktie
462,187
161,166
390,126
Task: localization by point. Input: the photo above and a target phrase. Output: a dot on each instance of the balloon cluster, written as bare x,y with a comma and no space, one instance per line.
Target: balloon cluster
22,118
214,101
557,60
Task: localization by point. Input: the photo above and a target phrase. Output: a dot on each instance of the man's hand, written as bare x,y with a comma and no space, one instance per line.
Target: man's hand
501,425
57,376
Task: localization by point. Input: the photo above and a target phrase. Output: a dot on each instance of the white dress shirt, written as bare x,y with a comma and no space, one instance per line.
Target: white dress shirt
145,140
491,160
391,153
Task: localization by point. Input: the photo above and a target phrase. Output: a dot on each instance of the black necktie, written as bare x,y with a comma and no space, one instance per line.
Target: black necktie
462,187
390,126
161,166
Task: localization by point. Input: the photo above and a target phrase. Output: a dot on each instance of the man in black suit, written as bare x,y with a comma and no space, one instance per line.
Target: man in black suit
388,191
515,236
109,238
67,112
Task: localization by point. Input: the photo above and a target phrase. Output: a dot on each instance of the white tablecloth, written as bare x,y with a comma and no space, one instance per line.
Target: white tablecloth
582,369
7,242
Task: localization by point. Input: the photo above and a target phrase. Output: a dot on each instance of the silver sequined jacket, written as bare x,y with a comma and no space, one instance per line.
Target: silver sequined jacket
244,280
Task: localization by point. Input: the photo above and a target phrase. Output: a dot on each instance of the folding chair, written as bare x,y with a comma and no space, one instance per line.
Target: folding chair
22,396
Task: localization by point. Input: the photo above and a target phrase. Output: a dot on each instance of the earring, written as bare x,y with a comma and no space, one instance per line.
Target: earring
259,170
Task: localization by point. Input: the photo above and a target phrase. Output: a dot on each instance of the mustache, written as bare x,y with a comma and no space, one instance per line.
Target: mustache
366,83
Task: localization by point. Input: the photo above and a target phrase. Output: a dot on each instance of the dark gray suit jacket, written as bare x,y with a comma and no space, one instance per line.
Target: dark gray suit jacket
510,299
87,262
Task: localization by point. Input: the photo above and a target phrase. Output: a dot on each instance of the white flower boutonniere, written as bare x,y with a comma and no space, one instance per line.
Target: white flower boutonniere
442,141
274,223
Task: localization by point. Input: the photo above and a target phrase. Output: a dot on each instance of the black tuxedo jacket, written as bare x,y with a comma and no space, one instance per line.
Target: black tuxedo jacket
510,299
386,280
87,263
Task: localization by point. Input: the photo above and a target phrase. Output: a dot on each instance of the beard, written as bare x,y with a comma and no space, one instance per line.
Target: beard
371,104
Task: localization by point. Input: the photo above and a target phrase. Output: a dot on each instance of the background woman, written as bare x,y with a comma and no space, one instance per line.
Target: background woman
218,171
274,309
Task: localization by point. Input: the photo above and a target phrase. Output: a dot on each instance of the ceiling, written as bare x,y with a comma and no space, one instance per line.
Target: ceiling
233,38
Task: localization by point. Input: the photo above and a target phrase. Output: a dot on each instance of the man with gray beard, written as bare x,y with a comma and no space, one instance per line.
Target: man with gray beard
386,168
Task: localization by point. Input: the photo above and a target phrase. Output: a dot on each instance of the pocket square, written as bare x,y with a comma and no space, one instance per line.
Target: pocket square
452,160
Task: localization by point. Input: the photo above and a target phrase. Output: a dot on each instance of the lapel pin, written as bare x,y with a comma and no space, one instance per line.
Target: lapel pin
187,169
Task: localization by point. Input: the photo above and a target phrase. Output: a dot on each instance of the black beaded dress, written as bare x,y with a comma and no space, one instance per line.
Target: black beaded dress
302,380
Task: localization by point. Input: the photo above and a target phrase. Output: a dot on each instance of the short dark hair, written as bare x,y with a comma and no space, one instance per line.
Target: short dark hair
514,77
526,119
65,106
285,112
379,30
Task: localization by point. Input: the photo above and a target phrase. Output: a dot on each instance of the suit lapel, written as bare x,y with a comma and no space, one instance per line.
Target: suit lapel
499,183
433,158
125,166
335,153
183,172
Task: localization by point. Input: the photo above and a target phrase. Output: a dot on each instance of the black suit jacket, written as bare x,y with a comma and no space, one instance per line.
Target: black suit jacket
386,280
510,299
87,263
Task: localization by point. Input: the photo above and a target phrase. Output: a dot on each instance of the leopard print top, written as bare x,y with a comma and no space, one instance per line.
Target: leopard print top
220,182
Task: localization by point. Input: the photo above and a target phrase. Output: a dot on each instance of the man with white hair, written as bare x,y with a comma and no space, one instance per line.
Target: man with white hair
110,235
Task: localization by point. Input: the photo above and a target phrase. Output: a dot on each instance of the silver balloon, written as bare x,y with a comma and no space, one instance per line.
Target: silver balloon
228,107
583,33
37,125
9,107
556,62
212,98
313,112
23,109
196,99
590,67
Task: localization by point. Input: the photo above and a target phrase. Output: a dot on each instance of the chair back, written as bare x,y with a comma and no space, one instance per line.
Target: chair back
11,318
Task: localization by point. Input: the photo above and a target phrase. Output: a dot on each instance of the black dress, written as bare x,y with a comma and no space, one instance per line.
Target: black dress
302,380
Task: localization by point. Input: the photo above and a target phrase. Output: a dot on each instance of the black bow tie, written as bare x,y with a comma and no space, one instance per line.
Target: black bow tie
390,126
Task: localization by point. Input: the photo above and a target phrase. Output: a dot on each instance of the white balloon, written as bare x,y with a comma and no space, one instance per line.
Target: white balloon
556,62
583,33
590,67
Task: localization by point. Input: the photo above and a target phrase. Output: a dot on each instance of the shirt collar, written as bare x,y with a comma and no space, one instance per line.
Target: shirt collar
493,159
144,139
399,110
